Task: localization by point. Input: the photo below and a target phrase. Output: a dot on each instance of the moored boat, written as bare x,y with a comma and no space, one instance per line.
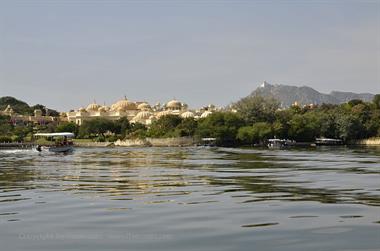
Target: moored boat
280,143
208,142
328,142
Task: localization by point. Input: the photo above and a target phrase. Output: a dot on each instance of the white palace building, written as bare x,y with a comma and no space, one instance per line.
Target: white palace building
137,112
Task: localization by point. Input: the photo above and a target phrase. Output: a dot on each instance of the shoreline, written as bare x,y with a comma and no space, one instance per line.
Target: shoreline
169,142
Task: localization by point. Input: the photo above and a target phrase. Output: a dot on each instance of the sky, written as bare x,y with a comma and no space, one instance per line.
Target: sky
67,54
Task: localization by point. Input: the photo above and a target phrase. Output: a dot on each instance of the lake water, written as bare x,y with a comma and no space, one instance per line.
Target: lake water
191,199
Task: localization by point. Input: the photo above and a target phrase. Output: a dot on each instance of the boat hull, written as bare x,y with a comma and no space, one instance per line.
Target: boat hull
55,149
328,142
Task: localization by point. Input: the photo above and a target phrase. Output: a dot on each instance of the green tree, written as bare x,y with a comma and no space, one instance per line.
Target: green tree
281,126
372,125
6,127
376,101
21,131
137,130
220,125
257,109
246,135
187,127
164,126
263,131
305,128
96,127
67,127
123,126
328,125
257,133
349,127
355,102
279,130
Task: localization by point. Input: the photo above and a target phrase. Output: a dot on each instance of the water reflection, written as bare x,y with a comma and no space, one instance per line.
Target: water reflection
202,195
253,175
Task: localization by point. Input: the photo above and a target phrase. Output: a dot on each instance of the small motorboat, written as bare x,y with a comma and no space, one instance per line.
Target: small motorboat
208,142
62,143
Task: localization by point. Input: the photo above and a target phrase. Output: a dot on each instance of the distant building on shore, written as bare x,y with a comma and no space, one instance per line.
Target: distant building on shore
137,112
36,118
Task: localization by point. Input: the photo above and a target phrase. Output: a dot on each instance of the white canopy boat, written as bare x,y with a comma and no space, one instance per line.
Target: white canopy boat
62,143
280,143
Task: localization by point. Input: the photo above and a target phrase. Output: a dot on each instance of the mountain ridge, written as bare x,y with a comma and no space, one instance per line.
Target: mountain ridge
304,95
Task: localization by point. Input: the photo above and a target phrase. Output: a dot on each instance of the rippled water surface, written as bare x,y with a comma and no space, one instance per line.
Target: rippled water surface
190,199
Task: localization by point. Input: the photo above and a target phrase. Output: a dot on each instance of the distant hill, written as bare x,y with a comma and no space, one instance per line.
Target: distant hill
22,107
303,95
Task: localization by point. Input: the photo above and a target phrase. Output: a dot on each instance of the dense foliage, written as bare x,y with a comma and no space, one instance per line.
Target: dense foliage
21,132
255,120
223,126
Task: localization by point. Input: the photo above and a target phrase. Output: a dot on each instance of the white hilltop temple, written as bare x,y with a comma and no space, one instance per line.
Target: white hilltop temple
137,112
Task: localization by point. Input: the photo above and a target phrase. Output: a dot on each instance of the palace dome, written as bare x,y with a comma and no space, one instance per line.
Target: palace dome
163,113
93,107
123,105
81,109
142,115
206,114
174,104
143,106
103,109
187,115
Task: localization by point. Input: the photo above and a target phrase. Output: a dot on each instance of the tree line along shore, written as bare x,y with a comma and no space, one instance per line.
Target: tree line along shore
255,120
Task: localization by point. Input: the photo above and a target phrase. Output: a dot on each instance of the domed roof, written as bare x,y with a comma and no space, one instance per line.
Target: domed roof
206,114
93,107
123,105
103,109
142,115
187,114
81,109
173,104
163,113
143,106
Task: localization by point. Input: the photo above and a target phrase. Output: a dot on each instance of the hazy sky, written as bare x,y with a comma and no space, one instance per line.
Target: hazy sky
65,54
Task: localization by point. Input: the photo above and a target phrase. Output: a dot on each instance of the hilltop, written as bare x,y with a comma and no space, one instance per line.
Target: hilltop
287,95
22,107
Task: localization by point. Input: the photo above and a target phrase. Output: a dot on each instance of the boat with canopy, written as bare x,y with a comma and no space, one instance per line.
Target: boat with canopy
61,142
